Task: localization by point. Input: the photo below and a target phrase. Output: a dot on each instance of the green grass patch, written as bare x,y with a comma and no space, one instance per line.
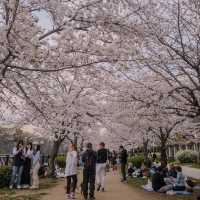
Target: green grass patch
138,182
22,197
196,165
4,191
48,183
45,184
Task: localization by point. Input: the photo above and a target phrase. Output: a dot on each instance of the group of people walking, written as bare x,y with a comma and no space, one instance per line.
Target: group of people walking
26,164
94,169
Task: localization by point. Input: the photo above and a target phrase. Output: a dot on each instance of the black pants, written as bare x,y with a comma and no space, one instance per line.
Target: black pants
179,188
88,182
26,175
71,183
123,171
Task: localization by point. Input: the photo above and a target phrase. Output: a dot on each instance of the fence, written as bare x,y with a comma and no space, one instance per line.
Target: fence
6,159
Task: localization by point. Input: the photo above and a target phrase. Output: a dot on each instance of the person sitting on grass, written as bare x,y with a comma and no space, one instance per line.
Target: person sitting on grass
158,180
130,170
180,180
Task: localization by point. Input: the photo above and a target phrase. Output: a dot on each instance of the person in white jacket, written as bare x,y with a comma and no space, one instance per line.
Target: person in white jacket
35,168
71,171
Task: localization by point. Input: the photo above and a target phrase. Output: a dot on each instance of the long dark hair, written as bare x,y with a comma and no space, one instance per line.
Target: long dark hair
19,142
30,143
37,148
73,146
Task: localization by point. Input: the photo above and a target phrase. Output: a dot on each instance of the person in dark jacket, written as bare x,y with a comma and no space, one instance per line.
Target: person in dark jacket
123,161
158,180
18,163
89,159
114,161
102,158
26,175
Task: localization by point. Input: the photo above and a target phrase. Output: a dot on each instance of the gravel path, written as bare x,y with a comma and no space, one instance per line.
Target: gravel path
114,191
191,172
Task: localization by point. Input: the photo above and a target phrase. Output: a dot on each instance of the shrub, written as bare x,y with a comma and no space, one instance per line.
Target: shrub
5,174
137,161
61,161
187,156
148,163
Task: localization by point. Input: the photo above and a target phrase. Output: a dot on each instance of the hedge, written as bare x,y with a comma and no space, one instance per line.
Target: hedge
137,161
187,156
61,161
5,175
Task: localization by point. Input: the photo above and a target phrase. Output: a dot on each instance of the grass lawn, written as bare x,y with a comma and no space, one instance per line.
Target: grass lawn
138,182
7,194
196,165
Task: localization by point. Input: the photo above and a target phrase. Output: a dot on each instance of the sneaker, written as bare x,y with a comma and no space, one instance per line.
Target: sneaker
98,188
25,186
34,188
68,196
19,187
102,190
92,198
72,195
11,187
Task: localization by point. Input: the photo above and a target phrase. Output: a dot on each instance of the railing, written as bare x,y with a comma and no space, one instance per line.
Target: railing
6,159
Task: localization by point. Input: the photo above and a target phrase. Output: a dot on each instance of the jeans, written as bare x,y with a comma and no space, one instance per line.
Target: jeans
88,182
16,175
123,171
100,174
71,183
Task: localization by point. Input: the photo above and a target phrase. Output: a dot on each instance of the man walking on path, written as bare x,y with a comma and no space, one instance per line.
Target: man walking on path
89,160
102,157
123,161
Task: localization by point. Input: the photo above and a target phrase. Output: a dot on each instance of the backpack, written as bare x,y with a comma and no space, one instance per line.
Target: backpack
89,160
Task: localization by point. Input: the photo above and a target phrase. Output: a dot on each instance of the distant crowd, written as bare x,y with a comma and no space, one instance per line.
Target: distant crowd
95,164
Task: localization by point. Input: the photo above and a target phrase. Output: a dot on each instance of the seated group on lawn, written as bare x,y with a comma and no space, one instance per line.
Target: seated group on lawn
163,179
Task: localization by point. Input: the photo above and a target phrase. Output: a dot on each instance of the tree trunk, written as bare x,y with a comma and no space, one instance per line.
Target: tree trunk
145,149
163,153
82,144
53,155
76,140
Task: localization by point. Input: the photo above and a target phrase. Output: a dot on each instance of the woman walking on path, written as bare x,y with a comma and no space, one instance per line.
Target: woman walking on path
71,171
17,168
26,175
36,167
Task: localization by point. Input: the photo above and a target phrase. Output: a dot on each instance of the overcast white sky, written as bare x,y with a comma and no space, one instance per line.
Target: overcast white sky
44,19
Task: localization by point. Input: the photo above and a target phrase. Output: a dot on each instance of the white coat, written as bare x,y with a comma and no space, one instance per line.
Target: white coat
71,163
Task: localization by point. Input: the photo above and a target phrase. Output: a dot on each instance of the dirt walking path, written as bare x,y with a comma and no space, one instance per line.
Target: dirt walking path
115,190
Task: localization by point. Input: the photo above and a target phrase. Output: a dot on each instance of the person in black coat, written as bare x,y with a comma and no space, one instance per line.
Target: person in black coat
158,180
89,159
26,174
123,161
